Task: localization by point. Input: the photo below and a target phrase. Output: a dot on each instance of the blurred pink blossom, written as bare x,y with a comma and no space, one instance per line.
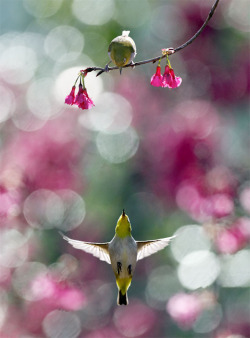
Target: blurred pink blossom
5,277
9,203
184,309
47,158
70,298
184,169
239,328
13,324
43,287
65,296
245,198
224,333
106,332
10,195
134,320
243,223
221,205
202,207
230,240
222,87
54,294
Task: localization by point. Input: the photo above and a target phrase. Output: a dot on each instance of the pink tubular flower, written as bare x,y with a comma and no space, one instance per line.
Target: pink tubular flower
156,79
169,79
82,99
70,99
89,103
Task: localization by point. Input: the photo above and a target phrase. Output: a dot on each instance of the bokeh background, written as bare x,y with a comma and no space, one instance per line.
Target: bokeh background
176,160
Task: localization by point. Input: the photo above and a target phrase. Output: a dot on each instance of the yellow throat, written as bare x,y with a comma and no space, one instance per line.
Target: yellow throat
123,227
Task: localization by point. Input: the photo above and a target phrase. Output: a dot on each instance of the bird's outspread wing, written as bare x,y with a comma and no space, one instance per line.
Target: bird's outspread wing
147,248
99,250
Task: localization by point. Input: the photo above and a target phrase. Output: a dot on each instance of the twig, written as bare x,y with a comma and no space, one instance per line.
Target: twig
201,29
168,51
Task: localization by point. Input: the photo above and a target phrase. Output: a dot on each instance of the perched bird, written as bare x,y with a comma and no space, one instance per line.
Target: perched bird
122,252
122,50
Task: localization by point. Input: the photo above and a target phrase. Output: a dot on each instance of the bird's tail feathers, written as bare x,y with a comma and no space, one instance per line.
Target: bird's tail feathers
125,33
122,299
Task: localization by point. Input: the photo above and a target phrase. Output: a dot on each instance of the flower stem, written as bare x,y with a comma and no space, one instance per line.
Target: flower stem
76,80
168,62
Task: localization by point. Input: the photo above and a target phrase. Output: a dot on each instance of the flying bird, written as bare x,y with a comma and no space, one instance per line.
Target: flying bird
122,252
122,50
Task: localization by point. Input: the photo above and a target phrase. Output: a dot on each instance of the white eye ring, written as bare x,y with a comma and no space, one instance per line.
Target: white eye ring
125,59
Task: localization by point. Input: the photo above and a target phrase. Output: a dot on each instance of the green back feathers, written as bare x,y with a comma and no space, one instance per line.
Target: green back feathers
121,48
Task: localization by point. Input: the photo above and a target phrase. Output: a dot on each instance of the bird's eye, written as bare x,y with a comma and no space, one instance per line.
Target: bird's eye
124,60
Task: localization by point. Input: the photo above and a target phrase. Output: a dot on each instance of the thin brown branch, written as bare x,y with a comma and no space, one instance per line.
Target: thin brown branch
211,13
168,52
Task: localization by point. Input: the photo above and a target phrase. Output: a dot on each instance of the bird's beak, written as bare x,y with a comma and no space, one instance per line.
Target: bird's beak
123,213
121,71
